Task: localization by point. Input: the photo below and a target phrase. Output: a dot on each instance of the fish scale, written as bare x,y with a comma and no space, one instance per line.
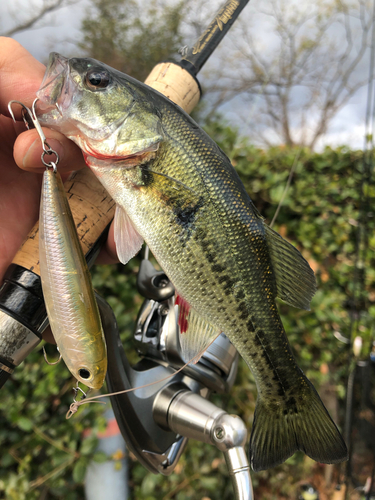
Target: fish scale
248,274
178,191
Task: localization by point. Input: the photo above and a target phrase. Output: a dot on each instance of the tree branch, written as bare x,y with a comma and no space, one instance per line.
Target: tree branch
30,23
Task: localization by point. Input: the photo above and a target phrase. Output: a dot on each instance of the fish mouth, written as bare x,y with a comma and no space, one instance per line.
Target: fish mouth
54,91
60,89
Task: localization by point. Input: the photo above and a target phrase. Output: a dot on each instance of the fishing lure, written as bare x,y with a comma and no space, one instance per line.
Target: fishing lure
68,293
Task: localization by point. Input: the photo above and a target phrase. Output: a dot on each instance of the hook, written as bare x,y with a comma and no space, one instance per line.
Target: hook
147,253
31,113
48,362
25,111
77,389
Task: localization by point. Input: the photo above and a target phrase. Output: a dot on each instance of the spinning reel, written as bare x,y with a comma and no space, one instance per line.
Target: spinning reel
157,420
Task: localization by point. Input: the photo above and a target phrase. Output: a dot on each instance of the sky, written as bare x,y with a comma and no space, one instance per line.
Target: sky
52,34
60,31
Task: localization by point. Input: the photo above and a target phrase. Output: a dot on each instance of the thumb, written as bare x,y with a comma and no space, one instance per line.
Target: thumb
28,151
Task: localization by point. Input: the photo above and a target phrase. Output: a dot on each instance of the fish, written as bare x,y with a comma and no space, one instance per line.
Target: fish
176,190
66,283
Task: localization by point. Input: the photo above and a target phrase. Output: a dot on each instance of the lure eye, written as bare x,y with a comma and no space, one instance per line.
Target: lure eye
97,79
84,373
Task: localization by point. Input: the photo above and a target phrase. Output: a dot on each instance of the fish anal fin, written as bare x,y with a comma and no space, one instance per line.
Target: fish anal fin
196,334
295,279
128,240
298,423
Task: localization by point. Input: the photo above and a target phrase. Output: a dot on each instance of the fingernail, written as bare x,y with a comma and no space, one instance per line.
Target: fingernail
30,154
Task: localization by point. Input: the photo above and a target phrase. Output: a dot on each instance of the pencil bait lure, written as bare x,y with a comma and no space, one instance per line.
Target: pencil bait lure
66,282
68,293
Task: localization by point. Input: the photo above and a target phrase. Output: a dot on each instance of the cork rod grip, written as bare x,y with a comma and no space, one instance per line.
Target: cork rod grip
91,206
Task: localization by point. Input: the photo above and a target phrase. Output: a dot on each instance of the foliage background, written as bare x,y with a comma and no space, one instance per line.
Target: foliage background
43,455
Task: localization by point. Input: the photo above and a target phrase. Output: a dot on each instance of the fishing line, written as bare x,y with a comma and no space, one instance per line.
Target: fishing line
76,404
358,300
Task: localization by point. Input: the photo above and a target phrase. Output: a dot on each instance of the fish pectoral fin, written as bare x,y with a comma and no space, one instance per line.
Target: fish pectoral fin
295,279
295,423
196,334
128,240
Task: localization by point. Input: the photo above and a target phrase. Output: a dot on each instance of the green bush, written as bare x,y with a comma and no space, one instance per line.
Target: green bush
45,455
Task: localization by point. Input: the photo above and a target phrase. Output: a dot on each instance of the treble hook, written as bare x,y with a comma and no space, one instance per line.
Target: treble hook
46,359
31,113
77,389
25,110
147,252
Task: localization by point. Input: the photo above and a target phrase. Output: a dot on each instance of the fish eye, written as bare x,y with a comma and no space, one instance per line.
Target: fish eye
84,373
97,79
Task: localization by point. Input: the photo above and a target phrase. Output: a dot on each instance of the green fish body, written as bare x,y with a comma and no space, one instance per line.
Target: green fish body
178,191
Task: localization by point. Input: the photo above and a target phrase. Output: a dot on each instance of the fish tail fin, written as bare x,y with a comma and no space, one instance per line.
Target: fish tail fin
279,430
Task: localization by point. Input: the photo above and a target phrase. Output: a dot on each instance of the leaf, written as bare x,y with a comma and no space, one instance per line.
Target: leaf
25,424
89,445
209,482
149,483
6,460
100,457
79,470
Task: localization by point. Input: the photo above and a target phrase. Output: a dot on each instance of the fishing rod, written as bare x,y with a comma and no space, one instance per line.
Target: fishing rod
23,316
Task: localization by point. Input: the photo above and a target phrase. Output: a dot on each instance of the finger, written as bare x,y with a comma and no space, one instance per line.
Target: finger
28,151
47,335
108,254
21,75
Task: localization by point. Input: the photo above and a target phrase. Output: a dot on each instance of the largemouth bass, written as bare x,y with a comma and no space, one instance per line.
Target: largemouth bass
178,191
69,297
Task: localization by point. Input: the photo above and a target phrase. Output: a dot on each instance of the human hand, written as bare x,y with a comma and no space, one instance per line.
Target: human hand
21,168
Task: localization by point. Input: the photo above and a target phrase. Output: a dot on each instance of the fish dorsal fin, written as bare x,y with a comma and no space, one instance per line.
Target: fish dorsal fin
295,279
128,240
196,334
